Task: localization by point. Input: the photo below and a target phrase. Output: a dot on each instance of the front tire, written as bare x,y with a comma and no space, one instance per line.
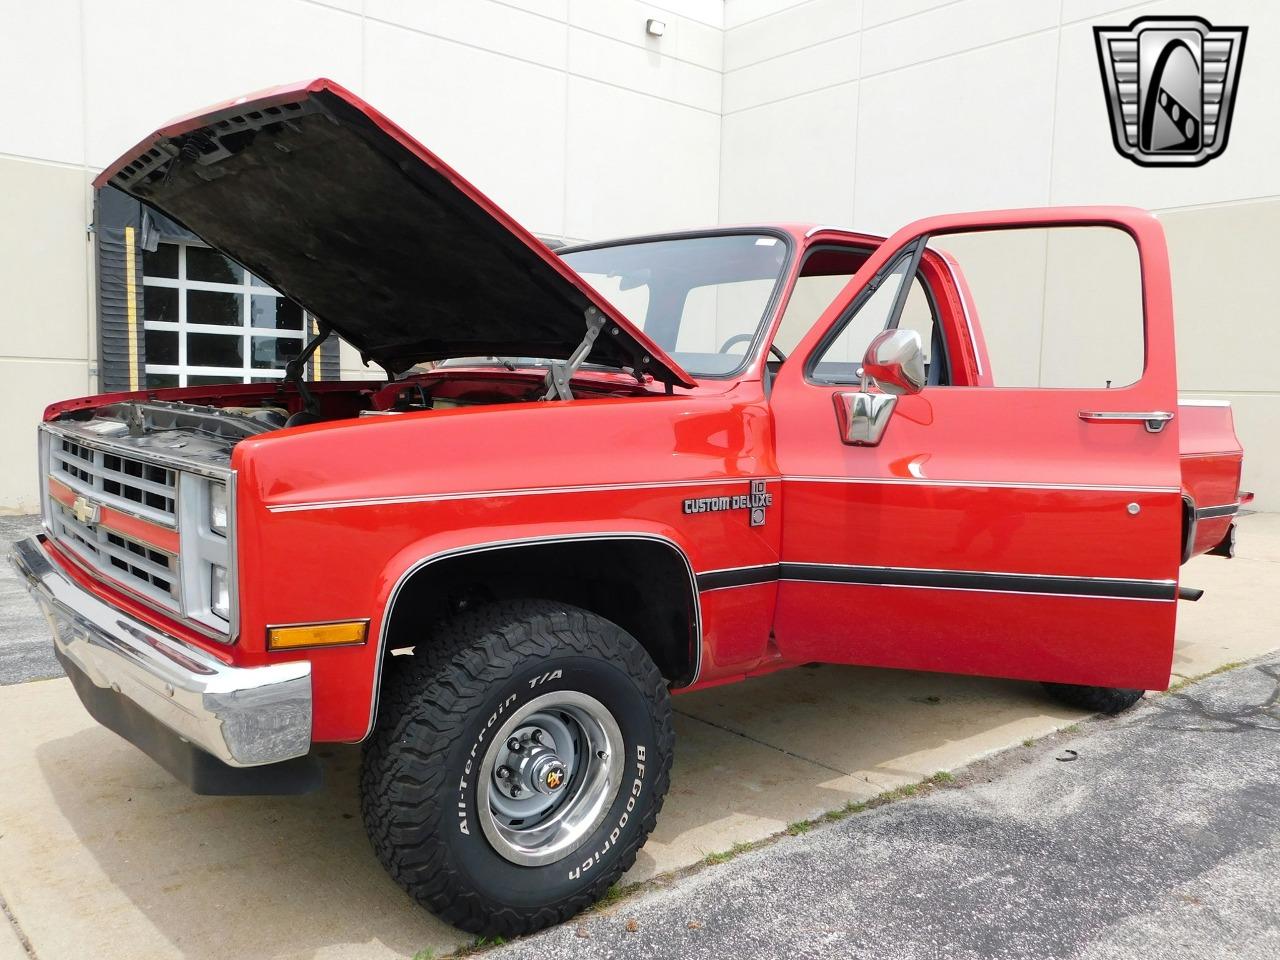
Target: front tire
1108,700
519,763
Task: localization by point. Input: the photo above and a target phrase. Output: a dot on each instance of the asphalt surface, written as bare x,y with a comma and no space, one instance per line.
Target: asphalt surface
26,652
1159,837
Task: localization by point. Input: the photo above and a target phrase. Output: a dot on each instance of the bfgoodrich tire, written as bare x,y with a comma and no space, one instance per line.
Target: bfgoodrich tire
520,760
1108,700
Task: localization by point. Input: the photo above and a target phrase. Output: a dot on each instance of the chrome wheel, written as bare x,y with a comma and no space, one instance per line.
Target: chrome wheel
548,777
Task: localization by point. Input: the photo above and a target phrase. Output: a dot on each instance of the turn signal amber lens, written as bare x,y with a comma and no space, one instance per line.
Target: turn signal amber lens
317,635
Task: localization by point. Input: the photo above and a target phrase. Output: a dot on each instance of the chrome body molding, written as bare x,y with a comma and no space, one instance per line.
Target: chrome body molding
1189,524
243,716
1014,485
964,308
515,492
426,561
830,228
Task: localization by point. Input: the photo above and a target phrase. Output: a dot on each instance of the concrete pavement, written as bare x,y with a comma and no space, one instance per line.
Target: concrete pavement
1153,835
11,947
98,846
25,653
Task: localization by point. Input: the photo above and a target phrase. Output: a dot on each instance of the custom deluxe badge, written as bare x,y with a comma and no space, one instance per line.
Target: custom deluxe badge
757,501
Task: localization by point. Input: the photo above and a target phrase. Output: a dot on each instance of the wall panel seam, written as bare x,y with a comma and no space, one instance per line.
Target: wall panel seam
958,53
794,96
772,13
892,70
789,52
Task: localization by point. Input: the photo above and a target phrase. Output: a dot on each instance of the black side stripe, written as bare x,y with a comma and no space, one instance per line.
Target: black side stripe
941,579
741,577
1227,510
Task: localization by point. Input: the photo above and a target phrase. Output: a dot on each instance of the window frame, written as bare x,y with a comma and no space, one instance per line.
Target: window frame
913,251
822,246
768,317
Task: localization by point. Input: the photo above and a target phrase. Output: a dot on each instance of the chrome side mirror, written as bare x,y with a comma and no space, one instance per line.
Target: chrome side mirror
895,361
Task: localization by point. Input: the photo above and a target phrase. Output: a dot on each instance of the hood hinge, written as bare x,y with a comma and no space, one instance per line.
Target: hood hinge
562,371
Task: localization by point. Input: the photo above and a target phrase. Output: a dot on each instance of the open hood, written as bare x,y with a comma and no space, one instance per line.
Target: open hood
341,210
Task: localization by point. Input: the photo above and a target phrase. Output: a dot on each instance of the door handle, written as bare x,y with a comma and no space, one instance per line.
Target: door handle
1154,420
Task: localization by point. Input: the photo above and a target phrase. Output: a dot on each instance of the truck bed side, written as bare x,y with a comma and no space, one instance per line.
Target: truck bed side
1211,458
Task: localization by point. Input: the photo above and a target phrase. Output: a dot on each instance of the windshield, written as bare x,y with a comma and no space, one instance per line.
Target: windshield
701,299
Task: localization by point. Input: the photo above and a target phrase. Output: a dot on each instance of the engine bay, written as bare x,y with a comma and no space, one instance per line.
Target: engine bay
203,424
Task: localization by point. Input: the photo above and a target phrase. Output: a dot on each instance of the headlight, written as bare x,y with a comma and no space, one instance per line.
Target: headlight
218,508
219,592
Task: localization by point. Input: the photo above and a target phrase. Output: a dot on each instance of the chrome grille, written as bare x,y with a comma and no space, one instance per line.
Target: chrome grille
139,566
134,486
116,479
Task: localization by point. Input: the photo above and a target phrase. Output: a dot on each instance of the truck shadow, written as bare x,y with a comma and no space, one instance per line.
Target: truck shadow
295,876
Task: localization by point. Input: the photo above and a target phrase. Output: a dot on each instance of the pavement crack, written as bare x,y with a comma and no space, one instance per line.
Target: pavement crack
1178,707
17,928
765,743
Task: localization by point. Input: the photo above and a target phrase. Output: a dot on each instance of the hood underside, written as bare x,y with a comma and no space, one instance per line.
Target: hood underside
339,209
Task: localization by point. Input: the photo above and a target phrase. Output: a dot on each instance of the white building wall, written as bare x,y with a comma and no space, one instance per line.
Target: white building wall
864,112
877,112
564,111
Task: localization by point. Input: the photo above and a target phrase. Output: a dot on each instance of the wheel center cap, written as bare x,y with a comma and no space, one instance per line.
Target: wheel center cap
547,774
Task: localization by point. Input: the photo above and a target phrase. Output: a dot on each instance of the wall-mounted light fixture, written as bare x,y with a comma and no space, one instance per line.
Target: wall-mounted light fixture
654,28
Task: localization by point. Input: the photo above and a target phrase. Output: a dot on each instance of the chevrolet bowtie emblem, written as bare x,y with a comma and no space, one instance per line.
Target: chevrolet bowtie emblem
85,510
1171,85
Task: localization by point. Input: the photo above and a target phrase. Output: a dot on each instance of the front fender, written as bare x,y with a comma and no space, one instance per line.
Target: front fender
445,545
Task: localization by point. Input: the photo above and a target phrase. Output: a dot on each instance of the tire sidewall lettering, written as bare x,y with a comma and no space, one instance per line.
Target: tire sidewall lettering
465,781
611,841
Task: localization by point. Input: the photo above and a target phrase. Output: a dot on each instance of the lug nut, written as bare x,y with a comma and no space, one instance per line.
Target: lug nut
504,773
536,736
514,745
601,755
515,790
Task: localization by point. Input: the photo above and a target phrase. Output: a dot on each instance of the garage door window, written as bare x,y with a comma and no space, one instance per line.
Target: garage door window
208,320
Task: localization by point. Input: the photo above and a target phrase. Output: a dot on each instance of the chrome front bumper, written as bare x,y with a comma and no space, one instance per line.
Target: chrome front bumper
242,716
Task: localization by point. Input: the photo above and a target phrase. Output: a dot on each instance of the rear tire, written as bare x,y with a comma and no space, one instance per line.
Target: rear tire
1108,700
500,841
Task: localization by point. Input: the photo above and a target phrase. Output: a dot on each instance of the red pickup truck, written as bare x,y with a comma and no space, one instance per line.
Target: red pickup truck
586,479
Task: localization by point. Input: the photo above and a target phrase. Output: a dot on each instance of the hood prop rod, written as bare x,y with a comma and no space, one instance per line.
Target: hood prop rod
562,371
294,368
